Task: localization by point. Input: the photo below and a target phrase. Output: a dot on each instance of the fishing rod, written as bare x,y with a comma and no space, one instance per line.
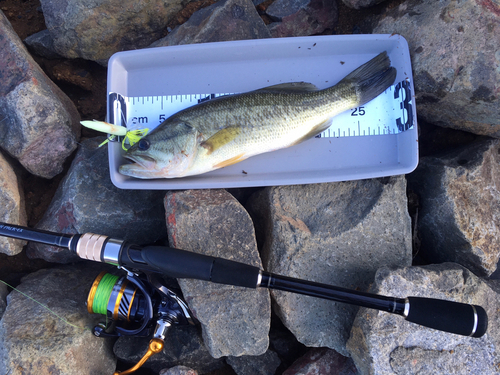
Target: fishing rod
119,300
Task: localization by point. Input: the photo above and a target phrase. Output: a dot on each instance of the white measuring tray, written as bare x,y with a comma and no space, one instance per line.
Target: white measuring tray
379,139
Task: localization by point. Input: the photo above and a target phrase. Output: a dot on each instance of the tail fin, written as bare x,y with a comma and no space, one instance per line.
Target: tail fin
372,78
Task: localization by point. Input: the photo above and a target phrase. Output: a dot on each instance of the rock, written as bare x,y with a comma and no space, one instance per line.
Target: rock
322,361
87,201
39,125
459,198
383,343
35,341
337,234
225,20
301,17
75,75
235,320
179,370
12,210
183,346
455,53
42,44
359,4
94,30
3,298
284,343
265,364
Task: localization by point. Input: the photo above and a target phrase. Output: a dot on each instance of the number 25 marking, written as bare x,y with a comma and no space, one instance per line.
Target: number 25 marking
360,111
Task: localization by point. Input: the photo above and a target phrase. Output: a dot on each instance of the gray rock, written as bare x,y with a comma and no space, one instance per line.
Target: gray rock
285,344
225,20
337,234
459,199
39,125
183,346
301,17
3,298
455,57
95,29
265,364
359,4
322,361
179,370
42,44
35,341
12,210
87,201
235,320
383,343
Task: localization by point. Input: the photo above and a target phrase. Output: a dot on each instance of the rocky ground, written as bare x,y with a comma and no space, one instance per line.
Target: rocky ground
431,233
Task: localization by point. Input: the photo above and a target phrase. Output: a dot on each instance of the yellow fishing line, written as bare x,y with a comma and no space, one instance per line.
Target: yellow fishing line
45,307
134,136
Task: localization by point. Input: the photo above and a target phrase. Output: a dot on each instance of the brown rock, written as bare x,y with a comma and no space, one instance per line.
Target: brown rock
39,124
235,320
301,17
322,361
12,210
383,343
460,206
334,233
225,20
33,340
95,30
455,53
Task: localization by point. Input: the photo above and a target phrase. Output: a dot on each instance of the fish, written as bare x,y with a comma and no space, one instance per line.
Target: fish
229,129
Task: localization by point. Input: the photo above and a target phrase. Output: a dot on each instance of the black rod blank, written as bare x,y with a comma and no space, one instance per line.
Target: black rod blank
35,235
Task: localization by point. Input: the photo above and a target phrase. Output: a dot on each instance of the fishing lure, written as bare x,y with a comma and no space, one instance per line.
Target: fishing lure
130,137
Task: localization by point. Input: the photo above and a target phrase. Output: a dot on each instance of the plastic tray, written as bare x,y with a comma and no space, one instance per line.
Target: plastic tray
240,66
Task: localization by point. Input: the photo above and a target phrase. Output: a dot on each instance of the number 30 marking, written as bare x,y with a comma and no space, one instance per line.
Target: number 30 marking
406,104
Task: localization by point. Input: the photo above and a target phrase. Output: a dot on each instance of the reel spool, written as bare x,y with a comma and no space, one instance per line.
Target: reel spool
129,308
116,298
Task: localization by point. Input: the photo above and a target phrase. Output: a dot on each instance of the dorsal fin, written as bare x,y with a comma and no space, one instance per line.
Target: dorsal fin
289,87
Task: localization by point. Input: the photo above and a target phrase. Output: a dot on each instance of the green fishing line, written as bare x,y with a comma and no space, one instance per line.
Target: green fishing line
45,307
103,292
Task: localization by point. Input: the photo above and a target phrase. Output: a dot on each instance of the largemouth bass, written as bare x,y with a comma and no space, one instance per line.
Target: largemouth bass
229,129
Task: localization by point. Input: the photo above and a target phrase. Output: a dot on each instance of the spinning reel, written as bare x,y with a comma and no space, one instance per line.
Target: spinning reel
136,305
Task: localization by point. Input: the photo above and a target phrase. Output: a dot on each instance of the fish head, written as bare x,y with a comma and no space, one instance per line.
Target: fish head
166,152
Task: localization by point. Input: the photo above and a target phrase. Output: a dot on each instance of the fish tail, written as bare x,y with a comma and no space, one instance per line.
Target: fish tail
372,78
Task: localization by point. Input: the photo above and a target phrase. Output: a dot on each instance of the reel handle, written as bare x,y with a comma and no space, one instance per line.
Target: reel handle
454,317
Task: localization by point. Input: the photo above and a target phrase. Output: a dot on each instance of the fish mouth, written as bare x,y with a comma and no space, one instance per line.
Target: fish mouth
139,166
143,161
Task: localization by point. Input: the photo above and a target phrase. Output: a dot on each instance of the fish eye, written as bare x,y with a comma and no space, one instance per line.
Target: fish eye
143,144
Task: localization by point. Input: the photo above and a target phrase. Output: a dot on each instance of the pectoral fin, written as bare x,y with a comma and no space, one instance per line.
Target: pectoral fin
321,127
221,138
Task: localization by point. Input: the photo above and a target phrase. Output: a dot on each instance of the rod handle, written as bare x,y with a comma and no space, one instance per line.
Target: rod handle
454,317
186,264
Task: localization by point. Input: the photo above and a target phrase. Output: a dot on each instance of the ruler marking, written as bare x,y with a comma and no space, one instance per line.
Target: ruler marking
389,111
